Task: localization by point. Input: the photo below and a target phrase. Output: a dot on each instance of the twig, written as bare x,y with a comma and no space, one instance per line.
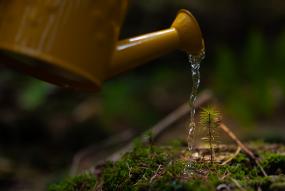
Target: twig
90,150
243,147
155,174
238,184
233,156
238,142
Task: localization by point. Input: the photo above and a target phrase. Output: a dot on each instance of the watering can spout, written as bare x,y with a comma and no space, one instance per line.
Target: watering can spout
184,34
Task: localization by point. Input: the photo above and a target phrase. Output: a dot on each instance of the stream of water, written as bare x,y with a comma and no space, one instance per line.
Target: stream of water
195,62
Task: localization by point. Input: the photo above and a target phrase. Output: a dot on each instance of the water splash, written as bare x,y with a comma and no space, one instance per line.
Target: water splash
195,61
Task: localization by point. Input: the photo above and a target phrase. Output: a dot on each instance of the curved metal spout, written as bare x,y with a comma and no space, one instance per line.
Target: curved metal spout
184,34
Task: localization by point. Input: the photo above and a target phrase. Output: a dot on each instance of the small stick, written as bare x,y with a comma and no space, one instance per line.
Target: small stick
155,174
243,147
238,142
233,156
237,184
90,150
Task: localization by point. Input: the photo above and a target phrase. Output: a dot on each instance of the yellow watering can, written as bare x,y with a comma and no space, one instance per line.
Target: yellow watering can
74,43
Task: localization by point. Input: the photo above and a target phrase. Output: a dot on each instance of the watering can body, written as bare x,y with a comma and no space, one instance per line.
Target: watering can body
74,43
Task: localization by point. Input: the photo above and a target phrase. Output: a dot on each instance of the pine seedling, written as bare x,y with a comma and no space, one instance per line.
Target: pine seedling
209,118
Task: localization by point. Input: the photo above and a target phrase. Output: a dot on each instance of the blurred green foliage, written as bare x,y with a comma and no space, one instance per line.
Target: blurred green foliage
123,99
34,94
139,100
250,82
279,60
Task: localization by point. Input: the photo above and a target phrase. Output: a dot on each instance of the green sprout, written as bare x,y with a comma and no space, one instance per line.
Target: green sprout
209,118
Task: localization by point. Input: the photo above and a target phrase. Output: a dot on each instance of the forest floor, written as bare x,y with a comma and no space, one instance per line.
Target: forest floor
173,167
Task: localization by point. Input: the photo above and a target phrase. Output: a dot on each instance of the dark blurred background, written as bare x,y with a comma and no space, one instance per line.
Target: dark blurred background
43,127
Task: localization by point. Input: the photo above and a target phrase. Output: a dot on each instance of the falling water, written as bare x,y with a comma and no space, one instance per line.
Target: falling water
194,61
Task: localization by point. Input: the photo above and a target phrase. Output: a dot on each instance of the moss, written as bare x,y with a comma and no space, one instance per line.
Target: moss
256,182
274,163
84,182
143,168
150,167
240,167
159,168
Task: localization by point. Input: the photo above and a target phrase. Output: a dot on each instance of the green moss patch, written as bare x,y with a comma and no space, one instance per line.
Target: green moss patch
150,167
